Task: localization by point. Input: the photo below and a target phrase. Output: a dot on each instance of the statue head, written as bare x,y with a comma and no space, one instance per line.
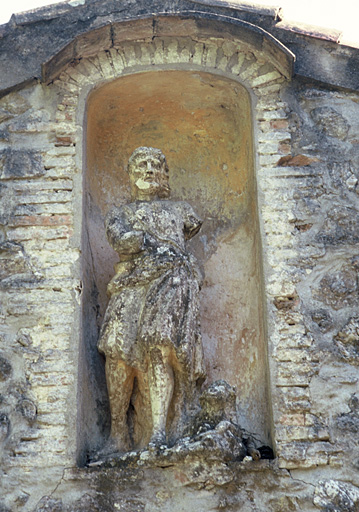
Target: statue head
148,171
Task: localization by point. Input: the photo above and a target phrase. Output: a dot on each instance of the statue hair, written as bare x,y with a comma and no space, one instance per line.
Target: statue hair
143,152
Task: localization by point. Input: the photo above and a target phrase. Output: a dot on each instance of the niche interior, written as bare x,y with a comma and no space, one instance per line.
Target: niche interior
203,124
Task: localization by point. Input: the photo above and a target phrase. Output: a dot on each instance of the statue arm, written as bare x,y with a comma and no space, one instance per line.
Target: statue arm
121,235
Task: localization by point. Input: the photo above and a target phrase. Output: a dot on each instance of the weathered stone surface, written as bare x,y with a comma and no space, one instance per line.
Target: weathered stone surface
33,122
15,104
349,334
20,164
13,261
4,136
347,340
336,496
218,403
7,204
4,115
348,424
28,409
22,498
330,122
87,502
323,319
284,504
339,288
5,369
343,176
220,444
212,436
340,226
48,504
4,426
286,302
10,106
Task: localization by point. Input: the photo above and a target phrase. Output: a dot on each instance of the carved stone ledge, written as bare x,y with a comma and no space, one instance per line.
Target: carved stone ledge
196,470
219,445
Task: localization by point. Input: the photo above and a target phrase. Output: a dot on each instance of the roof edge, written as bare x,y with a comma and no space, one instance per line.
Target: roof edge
306,29
274,11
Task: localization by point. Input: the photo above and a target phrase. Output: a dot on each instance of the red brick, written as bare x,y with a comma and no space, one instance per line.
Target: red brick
42,220
279,124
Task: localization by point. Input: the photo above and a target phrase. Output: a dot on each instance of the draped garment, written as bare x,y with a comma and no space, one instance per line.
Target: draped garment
154,295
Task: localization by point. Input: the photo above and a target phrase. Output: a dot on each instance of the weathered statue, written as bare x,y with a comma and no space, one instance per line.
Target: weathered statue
151,335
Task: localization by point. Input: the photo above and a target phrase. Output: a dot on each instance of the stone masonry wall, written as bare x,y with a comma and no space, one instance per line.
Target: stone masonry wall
39,289
307,176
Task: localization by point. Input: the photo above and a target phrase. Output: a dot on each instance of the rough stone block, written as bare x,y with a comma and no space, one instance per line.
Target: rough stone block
75,75
339,226
5,369
159,51
117,60
330,122
265,79
336,495
339,288
250,70
129,53
210,56
63,84
40,233
198,53
21,164
88,68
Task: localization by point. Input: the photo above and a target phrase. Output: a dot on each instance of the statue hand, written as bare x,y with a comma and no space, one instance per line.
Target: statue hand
131,242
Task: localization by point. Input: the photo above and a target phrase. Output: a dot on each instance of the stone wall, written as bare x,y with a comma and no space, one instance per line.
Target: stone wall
306,147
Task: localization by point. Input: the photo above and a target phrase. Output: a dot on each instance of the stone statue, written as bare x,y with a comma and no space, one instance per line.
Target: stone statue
151,334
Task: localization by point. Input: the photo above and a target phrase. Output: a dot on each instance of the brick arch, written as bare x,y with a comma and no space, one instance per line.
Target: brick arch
237,61
187,25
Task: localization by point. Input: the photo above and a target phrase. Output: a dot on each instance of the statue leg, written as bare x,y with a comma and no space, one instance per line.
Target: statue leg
161,382
142,406
119,378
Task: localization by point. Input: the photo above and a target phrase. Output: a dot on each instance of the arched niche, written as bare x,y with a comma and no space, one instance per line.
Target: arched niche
203,124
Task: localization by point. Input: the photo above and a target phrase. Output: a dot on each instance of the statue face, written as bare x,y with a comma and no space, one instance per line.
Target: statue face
149,176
